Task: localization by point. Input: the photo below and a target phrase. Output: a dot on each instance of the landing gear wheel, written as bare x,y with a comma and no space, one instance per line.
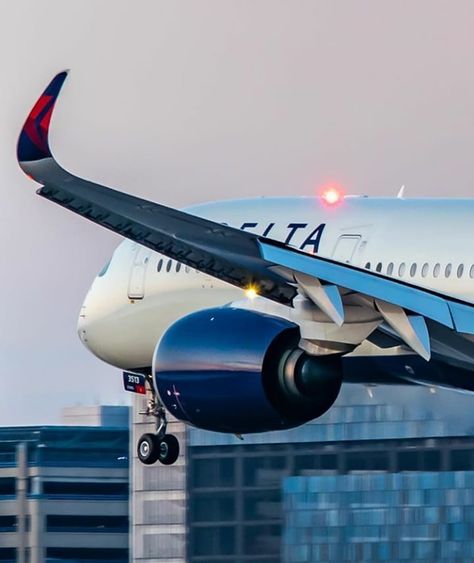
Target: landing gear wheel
148,449
168,449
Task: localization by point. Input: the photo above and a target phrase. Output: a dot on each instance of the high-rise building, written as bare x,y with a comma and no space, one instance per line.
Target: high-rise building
64,494
242,505
159,499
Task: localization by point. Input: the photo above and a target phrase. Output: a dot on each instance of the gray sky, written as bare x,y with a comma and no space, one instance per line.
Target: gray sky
181,102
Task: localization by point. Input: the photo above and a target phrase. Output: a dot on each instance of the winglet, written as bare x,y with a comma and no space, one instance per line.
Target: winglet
33,144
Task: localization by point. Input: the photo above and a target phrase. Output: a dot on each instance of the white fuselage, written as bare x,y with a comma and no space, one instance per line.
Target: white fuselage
424,242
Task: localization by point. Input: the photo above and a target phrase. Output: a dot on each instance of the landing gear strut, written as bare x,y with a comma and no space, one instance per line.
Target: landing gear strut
160,446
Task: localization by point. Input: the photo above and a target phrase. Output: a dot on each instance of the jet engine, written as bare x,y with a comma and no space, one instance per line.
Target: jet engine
238,371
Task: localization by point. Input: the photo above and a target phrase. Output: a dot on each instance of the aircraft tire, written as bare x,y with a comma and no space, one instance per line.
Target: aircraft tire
148,449
168,449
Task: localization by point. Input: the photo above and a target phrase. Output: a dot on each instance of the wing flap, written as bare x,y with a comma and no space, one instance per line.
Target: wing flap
463,316
360,281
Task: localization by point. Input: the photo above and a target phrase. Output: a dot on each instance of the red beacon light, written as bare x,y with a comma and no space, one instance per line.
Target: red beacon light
332,195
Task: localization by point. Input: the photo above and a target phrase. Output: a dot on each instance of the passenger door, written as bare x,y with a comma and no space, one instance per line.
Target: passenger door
345,248
136,284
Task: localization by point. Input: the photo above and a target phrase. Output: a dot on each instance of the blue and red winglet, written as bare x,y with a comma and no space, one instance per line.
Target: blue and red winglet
33,144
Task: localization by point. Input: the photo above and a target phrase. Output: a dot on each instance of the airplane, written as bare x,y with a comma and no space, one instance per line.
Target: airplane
247,316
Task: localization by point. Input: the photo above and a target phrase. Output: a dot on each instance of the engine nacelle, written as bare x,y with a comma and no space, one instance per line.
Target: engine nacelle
238,371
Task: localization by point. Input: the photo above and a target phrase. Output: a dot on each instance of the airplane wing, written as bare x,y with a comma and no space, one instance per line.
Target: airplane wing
238,257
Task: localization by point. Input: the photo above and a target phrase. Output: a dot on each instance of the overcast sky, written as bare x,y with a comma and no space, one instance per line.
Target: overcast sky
182,102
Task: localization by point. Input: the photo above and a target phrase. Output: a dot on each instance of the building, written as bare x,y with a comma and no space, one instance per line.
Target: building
116,416
64,494
240,502
243,483
159,498
420,516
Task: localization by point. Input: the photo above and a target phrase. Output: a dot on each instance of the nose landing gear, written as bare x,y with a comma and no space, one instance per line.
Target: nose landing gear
151,447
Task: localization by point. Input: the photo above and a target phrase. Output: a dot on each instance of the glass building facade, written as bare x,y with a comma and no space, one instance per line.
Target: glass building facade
239,509
239,503
413,516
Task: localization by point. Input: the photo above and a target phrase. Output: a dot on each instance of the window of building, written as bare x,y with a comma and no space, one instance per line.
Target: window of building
262,539
7,486
430,460
461,460
408,461
83,457
367,461
85,553
8,554
87,524
265,471
8,523
213,507
329,462
215,540
214,472
58,488
306,462
262,505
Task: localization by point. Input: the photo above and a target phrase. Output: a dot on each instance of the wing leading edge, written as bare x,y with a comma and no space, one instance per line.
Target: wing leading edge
238,257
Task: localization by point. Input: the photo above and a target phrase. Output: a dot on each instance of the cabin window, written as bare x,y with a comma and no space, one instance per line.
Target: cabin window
471,272
390,269
168,266
448,270
187,269
367,266
413,270
436,270
401,269
178,266
379,267
425,269
160,265
460,271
